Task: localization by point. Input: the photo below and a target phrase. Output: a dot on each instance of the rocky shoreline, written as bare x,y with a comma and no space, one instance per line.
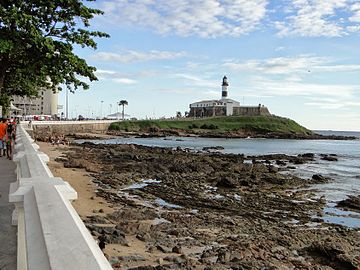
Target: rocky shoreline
207,210
154,132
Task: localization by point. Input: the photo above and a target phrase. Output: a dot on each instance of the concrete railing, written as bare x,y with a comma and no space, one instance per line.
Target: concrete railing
51,234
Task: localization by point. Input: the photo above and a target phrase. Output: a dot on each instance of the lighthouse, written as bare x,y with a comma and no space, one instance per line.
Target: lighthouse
224,88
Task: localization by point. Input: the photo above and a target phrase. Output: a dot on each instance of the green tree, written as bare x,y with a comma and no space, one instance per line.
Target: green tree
37,38
123,103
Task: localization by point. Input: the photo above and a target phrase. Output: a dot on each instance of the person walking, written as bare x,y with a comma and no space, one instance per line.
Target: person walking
3,131
9,138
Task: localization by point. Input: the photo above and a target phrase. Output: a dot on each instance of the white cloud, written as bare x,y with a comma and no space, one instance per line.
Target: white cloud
216,18
114,76
334,105
353,28
204,18
356,9
100,72
279,65
313,18
279,49
125,81
197,81
263,86
134,56
299,65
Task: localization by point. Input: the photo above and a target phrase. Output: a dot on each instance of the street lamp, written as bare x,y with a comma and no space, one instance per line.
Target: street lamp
101,109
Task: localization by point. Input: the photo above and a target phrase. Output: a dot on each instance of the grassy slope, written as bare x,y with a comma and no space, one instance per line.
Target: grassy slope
257,124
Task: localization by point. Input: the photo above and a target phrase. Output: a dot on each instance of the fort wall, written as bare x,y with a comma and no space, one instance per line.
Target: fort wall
251,110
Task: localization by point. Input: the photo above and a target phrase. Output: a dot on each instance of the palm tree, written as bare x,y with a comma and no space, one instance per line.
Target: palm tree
123,103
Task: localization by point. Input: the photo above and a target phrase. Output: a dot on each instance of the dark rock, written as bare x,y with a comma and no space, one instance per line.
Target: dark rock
329,158
224,256
319,178
208,148
280,162
308,155
132,258
273,169
177,249
164,249
227,182
298,160
143,237
351,203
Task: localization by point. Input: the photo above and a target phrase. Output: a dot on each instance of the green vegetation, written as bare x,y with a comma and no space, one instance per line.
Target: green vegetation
256,124
37,39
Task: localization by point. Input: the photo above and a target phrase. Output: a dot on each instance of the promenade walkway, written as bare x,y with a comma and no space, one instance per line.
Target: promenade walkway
7,231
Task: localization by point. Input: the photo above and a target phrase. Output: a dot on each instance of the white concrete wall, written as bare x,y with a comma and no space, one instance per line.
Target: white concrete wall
51,234
41,123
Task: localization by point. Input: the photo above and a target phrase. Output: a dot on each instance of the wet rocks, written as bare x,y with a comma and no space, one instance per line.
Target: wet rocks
227,182
351,203
318,178
308,155
333,254
331,157
209,148
233,215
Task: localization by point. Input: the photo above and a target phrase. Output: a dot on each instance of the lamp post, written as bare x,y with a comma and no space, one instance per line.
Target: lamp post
67,103
101,109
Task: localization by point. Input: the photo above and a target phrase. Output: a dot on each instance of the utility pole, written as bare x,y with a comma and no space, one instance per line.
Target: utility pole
67,103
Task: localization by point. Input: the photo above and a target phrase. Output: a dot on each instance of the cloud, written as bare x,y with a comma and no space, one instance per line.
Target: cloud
197,81
278,65
317,18
205,18
279,49
356,9
219,18
283,88
299,65
125,81
134,56
353,28
334,105
114,76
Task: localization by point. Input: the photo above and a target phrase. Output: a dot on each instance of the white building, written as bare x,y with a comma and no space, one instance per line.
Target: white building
224,106
214,107
45,104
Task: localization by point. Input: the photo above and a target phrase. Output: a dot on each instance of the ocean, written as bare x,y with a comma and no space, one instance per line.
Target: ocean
345,171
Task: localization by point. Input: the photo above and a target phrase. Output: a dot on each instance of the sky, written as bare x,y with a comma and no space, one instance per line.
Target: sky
300,58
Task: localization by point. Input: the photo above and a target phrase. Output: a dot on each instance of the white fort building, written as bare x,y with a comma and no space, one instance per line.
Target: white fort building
224,106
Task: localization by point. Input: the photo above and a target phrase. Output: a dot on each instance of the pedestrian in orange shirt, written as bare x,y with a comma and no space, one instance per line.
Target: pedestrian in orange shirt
3,129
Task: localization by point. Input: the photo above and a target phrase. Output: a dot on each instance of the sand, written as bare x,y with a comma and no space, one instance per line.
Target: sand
87,203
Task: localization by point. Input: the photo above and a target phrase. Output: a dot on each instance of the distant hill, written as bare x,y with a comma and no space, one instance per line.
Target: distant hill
228,126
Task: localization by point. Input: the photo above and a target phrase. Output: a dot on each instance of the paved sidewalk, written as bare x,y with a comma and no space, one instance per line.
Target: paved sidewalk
7,231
